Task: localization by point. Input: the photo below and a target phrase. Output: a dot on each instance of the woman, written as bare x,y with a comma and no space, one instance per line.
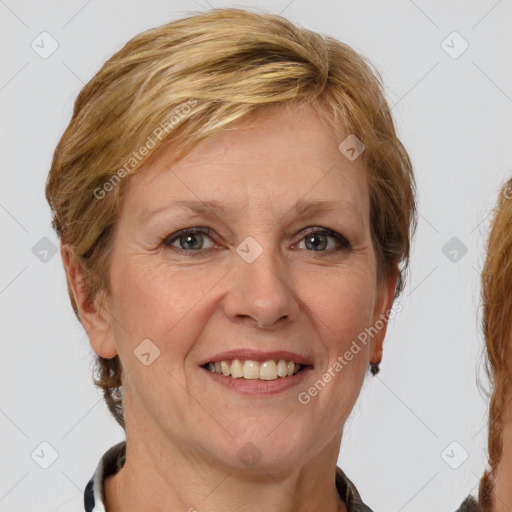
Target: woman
495,490
235,210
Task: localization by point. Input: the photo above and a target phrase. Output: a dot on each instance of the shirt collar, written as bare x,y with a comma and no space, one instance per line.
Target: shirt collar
111,462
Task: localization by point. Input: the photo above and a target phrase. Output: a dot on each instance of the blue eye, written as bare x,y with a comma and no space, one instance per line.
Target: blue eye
188,239
191,240
318,238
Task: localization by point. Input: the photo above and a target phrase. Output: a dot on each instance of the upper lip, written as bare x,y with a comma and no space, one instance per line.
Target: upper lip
257,355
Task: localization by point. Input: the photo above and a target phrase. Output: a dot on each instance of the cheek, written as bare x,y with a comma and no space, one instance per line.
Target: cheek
343,311
343,301
155,302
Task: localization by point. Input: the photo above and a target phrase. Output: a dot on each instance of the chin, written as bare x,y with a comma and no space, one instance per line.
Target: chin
268,446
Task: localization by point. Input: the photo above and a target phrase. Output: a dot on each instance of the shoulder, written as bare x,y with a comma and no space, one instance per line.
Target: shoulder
349,494
469,505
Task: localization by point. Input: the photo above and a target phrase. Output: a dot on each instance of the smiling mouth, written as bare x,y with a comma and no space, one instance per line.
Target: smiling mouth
254,370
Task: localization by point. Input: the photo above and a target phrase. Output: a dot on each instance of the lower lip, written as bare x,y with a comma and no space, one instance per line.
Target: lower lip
257,386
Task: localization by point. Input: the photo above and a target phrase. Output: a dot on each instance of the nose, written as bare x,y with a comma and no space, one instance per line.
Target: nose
261,292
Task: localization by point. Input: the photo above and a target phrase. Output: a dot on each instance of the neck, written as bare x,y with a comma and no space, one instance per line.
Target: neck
143,484
503,482
161,475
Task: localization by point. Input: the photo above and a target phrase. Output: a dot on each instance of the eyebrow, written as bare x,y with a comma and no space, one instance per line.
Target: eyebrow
301,207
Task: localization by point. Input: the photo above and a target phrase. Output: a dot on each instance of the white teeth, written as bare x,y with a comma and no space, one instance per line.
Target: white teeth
225,368
251,370
282,368
268,370
236,369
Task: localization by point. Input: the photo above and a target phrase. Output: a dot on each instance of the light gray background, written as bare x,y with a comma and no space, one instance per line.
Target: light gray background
454,116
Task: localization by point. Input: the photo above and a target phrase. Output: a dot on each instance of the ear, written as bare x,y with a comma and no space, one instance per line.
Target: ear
94,314
383,303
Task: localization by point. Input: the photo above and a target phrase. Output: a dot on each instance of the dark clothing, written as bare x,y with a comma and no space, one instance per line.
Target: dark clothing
469,505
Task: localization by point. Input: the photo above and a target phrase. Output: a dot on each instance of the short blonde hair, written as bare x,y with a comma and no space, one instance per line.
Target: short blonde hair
188,80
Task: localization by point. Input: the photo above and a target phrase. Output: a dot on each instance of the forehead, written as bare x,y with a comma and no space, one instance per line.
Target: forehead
277,156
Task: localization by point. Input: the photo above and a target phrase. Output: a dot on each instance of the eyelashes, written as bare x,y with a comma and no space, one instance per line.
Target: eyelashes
189,233
342,242
188,239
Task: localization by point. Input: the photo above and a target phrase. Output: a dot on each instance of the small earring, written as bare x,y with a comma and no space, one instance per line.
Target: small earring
374,368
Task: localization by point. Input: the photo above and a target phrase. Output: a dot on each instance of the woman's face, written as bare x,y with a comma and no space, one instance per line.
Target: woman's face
265,284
